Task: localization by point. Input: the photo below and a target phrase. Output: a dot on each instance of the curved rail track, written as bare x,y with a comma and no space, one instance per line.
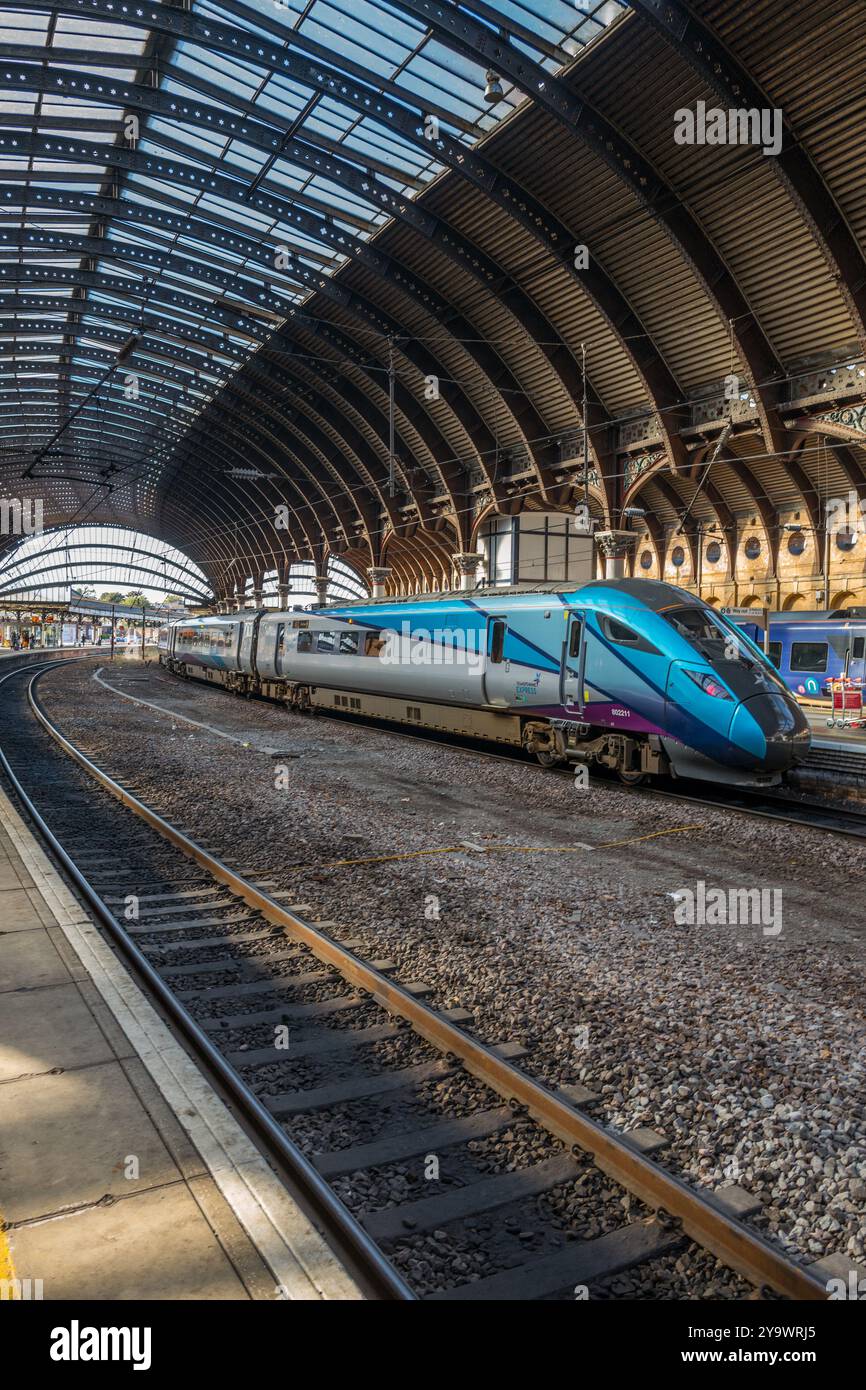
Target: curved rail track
307,1036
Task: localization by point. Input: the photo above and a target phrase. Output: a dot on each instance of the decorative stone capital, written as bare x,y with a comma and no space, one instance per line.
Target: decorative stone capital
468,562
615,545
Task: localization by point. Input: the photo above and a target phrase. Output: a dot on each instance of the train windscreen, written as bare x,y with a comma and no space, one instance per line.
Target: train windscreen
724,648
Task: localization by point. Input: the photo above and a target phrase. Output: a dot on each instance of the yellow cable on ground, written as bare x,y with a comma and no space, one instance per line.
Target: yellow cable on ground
514,849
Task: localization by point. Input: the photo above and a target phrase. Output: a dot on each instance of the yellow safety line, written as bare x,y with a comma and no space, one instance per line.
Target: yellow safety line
7,1269
514,849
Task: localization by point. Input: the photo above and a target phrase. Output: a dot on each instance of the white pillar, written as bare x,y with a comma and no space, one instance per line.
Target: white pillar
283,591
321,589
468,562
379,576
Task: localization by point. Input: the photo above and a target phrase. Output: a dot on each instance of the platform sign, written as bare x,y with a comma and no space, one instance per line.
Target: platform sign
759,616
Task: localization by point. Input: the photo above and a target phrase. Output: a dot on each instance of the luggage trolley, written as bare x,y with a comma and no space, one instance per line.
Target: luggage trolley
847,697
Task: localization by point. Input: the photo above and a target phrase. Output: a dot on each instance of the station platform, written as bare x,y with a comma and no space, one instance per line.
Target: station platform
123,1175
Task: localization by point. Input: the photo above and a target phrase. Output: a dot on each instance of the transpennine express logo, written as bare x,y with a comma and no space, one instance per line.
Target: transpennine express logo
525,690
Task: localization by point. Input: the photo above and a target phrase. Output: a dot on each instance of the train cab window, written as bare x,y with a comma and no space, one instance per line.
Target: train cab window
809,656
617,632
349,642
279,648
775,654
574,638
497,640
326,641
305,641
857,648
624,636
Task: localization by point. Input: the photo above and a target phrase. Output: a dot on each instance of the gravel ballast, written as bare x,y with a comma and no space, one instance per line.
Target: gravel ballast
743,1044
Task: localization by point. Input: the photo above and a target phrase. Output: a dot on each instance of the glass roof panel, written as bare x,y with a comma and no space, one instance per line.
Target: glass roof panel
203,259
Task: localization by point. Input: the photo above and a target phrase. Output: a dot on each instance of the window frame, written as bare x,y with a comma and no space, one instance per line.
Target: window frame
496,649
809,670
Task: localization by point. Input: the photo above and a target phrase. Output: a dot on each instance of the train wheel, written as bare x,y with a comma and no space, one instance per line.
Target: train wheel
548,759
631,779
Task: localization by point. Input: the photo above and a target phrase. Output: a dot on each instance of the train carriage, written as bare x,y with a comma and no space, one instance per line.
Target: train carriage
633,674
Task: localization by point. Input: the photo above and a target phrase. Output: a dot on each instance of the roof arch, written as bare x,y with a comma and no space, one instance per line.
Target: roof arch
226,228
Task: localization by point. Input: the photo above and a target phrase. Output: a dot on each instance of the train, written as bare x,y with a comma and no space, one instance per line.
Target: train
812,649
630,674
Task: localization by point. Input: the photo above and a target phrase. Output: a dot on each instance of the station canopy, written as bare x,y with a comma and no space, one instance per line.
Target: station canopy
226,228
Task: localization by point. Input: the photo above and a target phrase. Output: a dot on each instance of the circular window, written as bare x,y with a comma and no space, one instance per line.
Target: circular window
678,556
646,560
714,553
846,540
796,543
752,548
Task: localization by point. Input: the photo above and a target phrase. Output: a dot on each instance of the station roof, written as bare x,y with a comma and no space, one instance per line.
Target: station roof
220,226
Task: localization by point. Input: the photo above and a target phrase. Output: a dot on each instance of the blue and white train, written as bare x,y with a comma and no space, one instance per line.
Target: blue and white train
633,674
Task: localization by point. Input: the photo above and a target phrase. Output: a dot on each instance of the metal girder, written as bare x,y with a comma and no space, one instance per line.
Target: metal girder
222,446
407,404
403,115
259,369
359,307
696,43
558,97
378,193
309,155
261,407
99,281
108,546
424,297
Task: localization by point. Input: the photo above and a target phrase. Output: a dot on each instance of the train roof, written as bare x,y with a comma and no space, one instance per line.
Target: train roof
819,615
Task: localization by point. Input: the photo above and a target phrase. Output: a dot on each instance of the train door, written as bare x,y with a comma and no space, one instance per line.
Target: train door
573,664
856,654
496,667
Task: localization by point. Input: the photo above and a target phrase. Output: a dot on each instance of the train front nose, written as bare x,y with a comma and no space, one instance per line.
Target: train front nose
773,727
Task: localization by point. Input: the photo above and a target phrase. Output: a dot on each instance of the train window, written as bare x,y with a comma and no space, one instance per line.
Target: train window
497,640
305,641
349,643
279,648
775,654
574,638
809,656
326,641
858,647
617,632
695,623
623,635
373,644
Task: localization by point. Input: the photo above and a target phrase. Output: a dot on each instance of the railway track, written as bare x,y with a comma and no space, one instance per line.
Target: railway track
309,1039
799,811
